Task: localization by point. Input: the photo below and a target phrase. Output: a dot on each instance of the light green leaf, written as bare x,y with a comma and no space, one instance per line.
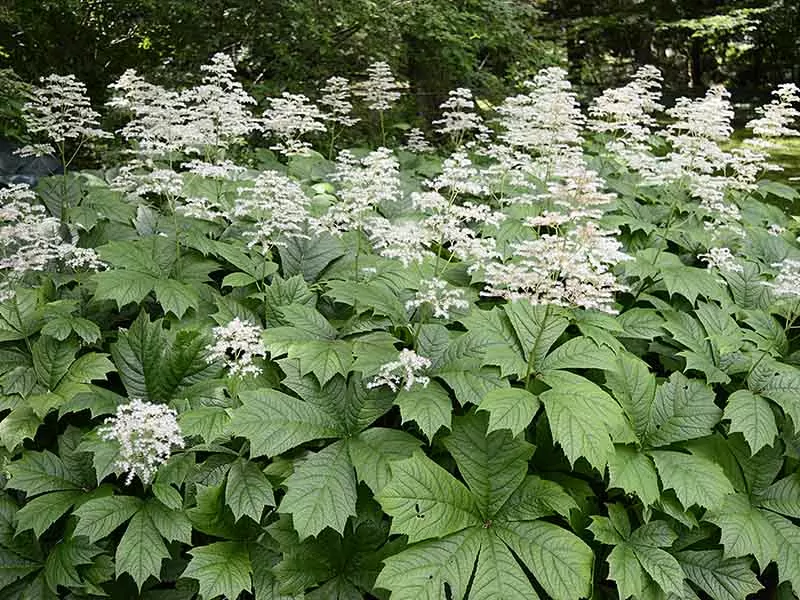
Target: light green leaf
509,408
751,415
787,539
580,353
208,422
221,569
695,480
582,417
275,422
536,498
247,491
561,562
321,492
537,328
426,501
662,567
141,550
783,496
176,297
500,343
721,579
123,287
778,382
634,387
421,571
605,532
683,409
42,512
99,517
430,407
633,471
324,358
745,530
493,465
173,525
373,451
625,569
498,575
18,425
51,360
309,257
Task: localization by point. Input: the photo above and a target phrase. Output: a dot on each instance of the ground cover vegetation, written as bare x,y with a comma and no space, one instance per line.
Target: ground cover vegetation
555,355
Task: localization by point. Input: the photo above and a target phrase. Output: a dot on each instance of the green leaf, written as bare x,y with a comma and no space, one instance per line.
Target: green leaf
695,480
60,568
510,408
18,425
624,568
633,471
580,353
42,512
40,472
208,422
470,386
373,451
141,550
51,360
247,491
99,517
176,297
500,343
498,575
221,569
426,501
751,415
683,409
275,422
778,382
787,539
138,354
691,282
309,257
537,328
123,287
662,567
20,315
492,465
173,525
561,562
536,498
634,387
783,496
721,579
422,570
14,567
321,492
582,417
745,530
324,358
430,407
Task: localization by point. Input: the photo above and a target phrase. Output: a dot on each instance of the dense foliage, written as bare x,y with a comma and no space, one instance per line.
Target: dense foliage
556,358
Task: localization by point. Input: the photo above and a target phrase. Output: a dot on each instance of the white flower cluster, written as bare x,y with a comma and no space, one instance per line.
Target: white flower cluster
416,142
60,110
567,270
458,115
381,90
440,296
146,434
721,259
777,116
787,283
628,111
336,95
31,241
289,118
237,344
403,372
363,184
274,206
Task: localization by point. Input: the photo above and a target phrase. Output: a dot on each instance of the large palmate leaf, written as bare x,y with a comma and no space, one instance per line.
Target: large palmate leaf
374,450
683,409
482,530
537,328
247,490
722,579
510,408
634,472
745,530
429,407
696,480
751,415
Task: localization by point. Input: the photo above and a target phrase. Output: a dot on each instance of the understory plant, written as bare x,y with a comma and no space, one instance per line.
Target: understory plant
555,357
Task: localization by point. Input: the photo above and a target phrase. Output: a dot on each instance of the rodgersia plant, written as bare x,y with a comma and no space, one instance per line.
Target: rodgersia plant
558,360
